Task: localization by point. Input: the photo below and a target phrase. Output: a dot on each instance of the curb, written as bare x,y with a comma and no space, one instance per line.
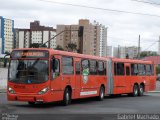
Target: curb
154,92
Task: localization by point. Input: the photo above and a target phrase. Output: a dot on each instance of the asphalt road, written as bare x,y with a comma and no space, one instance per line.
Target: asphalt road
110,108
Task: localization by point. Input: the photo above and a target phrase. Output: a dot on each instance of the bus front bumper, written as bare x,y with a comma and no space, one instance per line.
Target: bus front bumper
29,97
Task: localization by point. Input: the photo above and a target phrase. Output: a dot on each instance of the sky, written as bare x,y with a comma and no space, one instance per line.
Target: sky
123,28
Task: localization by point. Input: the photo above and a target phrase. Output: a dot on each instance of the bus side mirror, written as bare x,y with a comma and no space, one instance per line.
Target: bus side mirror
55,68
5,60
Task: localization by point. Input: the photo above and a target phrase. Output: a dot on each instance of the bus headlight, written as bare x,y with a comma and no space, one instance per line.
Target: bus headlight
43,91
10,90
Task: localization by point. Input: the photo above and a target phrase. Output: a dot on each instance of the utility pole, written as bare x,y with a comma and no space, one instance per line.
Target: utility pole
139,40
118,51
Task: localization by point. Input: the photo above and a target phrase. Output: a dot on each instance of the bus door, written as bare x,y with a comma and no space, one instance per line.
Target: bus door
77,78
56,77
86,81
127,77
68,77
119,78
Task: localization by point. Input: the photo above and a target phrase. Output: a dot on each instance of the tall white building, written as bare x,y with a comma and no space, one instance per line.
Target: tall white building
6,34
103,39
24,38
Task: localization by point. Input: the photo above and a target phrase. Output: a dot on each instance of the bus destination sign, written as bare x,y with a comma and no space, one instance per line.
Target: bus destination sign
29,54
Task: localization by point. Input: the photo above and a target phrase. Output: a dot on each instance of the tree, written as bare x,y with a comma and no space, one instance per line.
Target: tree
71,47
158,69
148,53
59,48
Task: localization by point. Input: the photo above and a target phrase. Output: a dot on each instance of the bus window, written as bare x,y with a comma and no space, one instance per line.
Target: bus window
93,67
100,68
127,71
141,69
67,65
77,68
152,70
120,68
55,68
115,68
85,67
134,69
148,70
85,64
105,68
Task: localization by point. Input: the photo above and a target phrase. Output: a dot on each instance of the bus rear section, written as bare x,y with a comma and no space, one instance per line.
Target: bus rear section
133,77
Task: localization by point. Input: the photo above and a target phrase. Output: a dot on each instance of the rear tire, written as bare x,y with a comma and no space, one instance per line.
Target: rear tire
101,94
67,97
135,91
141,90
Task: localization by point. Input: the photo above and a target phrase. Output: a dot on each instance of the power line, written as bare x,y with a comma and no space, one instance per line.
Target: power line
150,45
153,3
98,8
144,42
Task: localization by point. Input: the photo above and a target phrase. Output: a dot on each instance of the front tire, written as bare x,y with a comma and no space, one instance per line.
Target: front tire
67,97
135,90
101,94
141,90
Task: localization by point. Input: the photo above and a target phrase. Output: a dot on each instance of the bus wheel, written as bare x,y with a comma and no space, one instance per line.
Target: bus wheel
67,97
31,103
135,90
101,94
141,90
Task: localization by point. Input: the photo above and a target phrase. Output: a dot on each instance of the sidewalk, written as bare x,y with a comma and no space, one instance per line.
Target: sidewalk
3,79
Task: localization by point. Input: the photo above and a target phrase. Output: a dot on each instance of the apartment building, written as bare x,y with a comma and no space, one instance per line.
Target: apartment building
103,41
6,34
122,52
24,38
89,43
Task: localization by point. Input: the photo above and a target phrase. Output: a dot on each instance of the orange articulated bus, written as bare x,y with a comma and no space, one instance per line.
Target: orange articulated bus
46,75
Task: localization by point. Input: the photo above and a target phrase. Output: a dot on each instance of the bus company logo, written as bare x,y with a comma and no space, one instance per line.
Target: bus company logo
85,75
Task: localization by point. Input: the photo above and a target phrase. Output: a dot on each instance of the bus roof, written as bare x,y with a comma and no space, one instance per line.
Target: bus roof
51,51
131,60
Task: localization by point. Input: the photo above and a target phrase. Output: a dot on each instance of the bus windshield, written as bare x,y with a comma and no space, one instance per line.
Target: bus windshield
28,71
